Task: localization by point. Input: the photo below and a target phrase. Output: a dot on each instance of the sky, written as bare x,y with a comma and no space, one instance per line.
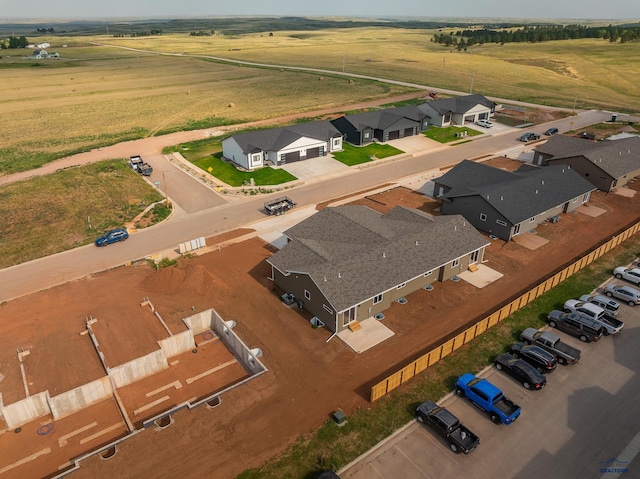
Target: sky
101,9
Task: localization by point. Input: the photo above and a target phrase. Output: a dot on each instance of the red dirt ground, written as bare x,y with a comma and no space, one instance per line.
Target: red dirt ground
307,379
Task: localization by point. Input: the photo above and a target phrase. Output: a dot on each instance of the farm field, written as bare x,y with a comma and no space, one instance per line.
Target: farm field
100,95
589,73
97,96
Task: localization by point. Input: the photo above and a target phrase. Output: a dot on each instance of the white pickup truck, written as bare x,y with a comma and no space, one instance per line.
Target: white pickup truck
611,324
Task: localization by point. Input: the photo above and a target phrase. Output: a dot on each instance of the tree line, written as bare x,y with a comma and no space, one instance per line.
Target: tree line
15,42
462,39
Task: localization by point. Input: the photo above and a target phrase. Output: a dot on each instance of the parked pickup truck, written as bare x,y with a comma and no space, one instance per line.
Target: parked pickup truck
548,341
488,398
611,324
137,164
460,438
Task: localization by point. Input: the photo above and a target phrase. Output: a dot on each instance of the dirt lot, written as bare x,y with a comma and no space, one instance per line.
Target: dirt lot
307,379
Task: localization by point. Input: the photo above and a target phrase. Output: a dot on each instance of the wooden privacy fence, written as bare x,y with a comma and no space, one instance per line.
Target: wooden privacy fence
423,362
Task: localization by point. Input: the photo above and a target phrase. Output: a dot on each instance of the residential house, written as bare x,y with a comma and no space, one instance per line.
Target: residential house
506,204
382,125
606,164
350,263
278,146
458,110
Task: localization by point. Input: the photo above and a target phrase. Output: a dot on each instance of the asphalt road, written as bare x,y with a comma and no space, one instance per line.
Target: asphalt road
584,424
190,221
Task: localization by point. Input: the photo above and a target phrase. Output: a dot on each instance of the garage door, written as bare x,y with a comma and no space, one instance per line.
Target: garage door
409,131
394,135
470,118
292,157
314,152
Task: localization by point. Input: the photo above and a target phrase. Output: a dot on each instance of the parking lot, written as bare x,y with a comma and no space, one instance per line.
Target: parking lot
584,424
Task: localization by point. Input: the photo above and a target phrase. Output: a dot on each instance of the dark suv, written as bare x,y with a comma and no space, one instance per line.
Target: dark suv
585,329
542,360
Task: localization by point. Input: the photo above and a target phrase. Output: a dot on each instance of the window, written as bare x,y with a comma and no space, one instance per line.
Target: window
327,309
455,263
377,299
501,223
532,220
483,217
336,142
585,198
575,200
400,286
307,294
367,134
428,273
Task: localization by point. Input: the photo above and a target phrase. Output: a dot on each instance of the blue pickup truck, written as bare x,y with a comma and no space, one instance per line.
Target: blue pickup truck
488,398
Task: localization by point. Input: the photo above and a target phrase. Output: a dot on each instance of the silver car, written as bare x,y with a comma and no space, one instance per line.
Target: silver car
628,274
629,295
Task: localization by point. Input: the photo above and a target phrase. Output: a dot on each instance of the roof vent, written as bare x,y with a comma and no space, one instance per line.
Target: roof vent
487,196
325,278
501,198
455,228
542,182
536,192
339,276
417,243
384,255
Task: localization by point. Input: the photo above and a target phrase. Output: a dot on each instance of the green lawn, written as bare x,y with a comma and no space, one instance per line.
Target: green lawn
331,447
448,134
355,155
232,176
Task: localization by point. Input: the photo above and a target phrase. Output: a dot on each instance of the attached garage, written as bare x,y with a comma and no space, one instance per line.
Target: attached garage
409,131
315,152
394,135
291,157
470,118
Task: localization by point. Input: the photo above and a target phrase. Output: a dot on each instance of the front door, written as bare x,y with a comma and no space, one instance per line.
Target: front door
473,257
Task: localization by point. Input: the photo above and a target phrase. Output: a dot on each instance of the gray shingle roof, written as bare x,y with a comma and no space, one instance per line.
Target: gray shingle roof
383,119
275,139
617,158
516,195
460,104
354,253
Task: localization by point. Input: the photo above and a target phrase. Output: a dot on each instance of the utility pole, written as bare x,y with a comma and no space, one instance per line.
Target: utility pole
473,75
575,100
344,60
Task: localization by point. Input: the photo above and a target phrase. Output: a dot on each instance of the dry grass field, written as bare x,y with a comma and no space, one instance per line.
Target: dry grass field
94,96
592,73
49,214
98,95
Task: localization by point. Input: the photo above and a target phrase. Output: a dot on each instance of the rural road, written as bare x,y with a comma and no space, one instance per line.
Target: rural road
46,272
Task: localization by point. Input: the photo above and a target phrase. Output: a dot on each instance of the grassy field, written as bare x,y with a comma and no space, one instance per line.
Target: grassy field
331,447
591,73
95,96
49,214
98,95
